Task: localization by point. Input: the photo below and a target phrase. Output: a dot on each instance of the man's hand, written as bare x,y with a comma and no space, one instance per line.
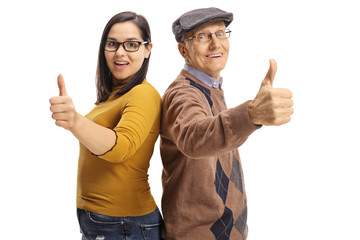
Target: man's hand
62,107
271,106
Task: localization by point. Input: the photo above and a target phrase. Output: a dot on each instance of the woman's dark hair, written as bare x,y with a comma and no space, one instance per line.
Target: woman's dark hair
104,83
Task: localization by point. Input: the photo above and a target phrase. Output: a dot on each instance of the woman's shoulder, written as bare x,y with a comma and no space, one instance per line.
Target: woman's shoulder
143,92
144,89
145,95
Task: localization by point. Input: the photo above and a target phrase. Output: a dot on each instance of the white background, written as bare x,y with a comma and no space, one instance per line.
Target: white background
302,179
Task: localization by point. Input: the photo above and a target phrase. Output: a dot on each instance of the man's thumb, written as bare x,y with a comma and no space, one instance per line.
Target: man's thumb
61,85
269,78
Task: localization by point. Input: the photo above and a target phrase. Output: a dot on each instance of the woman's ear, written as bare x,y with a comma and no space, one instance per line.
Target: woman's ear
148,49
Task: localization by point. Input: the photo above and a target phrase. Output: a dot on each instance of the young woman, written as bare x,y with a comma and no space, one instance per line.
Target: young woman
117,137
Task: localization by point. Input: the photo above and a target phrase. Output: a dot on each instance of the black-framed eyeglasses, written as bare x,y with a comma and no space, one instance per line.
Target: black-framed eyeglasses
129,46
205,37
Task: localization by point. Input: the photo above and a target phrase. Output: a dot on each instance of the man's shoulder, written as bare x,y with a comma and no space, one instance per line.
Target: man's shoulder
184,83
179,82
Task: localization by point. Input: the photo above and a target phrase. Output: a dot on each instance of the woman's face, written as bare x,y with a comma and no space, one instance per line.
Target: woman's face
123,65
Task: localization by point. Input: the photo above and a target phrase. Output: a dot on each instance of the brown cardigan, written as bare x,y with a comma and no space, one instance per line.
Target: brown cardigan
204,195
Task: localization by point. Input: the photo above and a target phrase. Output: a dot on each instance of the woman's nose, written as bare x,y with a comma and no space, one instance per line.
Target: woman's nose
121,50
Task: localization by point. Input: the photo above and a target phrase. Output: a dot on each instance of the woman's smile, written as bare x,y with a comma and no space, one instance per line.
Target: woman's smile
121,64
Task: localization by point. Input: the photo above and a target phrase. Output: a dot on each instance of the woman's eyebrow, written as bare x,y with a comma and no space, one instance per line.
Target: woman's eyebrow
133,38
128,39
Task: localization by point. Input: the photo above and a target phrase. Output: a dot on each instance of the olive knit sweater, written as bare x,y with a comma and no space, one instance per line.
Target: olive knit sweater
116,183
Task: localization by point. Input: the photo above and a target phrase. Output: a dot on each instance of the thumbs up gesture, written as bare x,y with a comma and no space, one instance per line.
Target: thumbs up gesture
271,106
62,107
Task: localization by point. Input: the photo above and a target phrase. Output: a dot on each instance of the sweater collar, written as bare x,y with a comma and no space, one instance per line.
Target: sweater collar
203,77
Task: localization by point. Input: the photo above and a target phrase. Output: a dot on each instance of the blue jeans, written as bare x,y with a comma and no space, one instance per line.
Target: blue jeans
101,227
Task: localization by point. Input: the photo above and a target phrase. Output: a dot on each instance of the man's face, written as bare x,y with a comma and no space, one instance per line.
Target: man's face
209,57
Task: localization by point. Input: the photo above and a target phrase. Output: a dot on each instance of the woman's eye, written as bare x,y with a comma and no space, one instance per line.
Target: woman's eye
131,45
112,44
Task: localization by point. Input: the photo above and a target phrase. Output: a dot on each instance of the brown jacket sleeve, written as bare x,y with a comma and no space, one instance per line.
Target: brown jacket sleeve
190,125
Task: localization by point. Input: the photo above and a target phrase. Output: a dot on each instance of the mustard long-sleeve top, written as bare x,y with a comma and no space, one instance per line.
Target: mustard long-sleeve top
116,183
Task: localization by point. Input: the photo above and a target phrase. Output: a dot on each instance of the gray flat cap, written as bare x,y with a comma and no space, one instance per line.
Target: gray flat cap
198,17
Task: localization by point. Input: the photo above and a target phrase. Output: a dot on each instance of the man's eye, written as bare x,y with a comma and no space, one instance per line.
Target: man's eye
202,36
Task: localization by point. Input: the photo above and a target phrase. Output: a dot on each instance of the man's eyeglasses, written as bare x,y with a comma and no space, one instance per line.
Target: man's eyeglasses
129,46
205,37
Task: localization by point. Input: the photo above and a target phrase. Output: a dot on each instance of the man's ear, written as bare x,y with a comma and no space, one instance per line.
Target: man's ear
182,50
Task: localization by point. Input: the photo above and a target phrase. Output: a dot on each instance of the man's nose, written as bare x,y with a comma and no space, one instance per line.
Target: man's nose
214,41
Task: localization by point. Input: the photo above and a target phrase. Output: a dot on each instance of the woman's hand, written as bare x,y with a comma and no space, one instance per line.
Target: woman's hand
63,108
96,138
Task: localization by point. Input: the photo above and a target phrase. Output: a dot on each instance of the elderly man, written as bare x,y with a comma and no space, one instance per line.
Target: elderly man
204,195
